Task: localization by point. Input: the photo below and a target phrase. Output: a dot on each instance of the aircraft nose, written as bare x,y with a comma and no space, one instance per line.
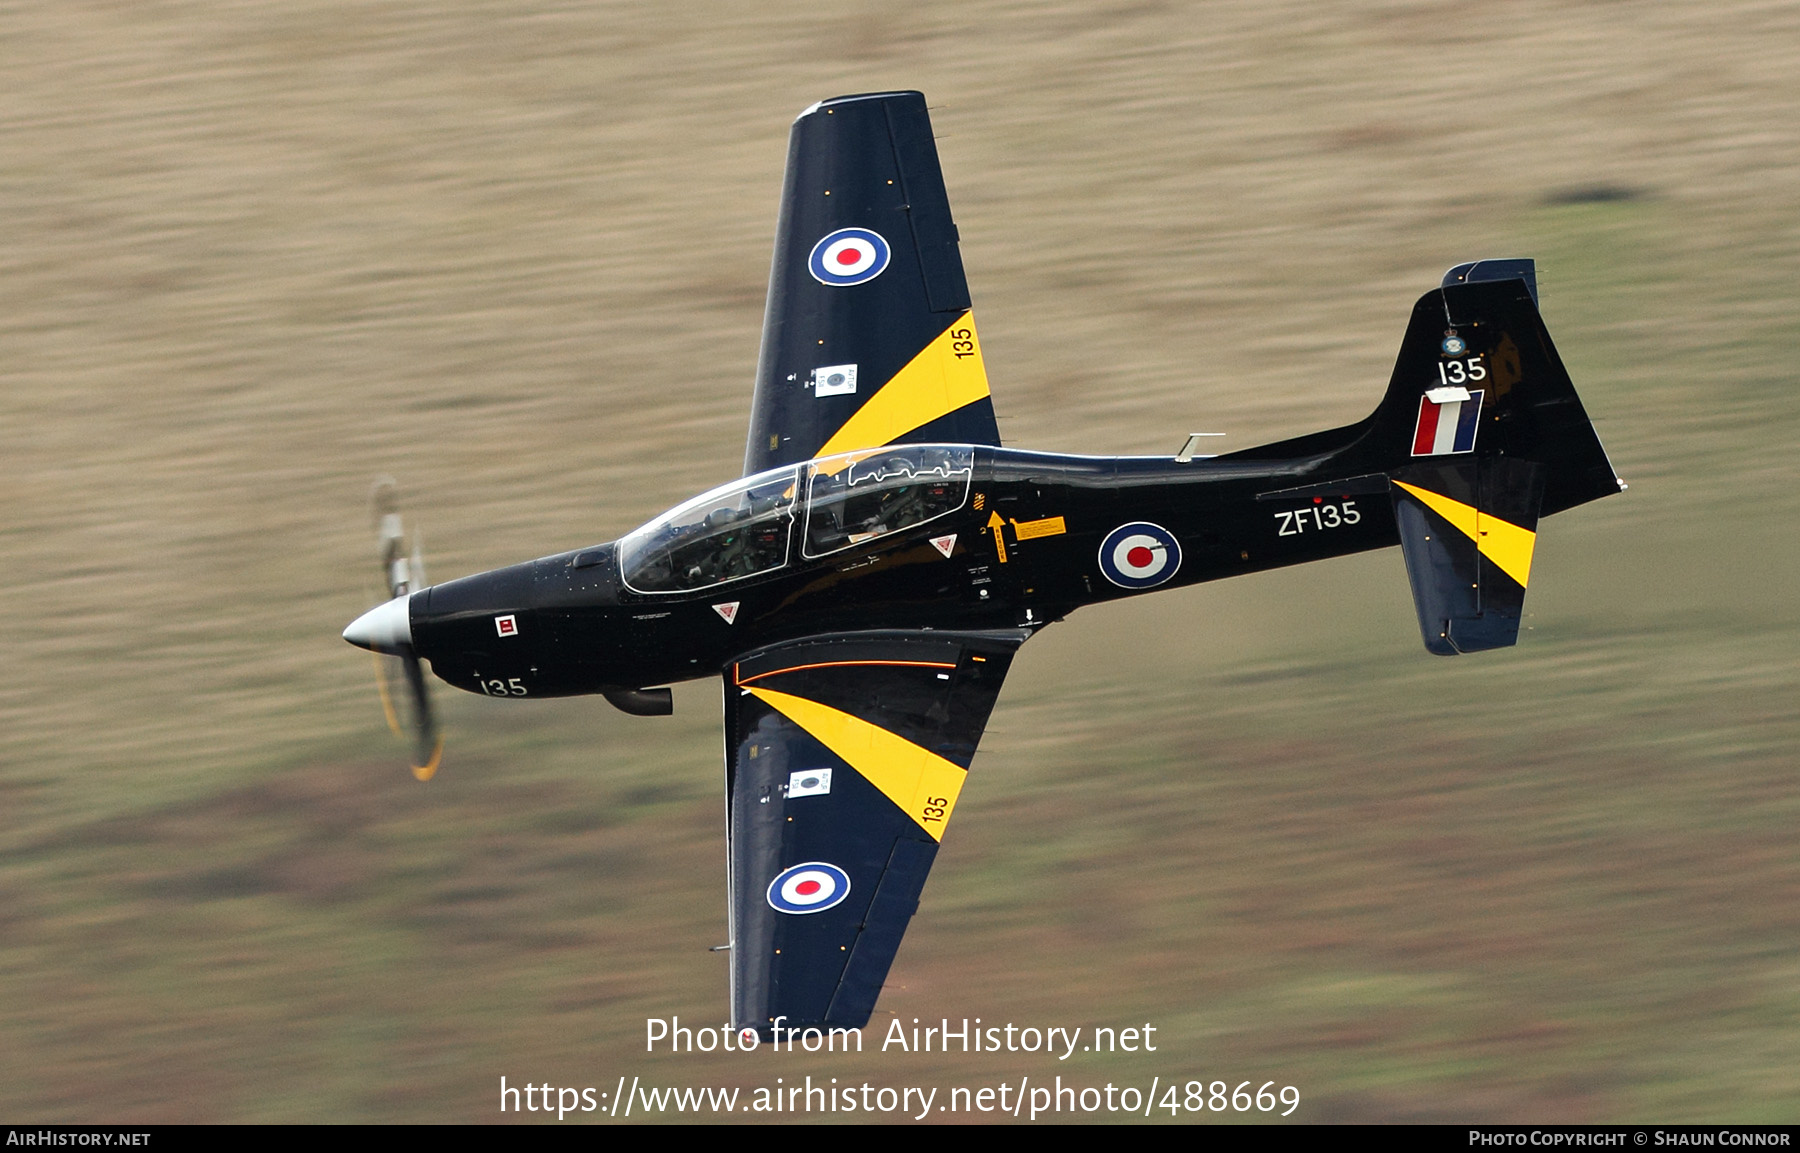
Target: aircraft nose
384,628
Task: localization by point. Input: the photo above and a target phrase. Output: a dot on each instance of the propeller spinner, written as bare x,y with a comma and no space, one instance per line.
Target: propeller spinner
386,631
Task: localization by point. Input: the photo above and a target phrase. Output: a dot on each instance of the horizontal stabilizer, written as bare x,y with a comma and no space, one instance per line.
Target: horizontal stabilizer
1467,530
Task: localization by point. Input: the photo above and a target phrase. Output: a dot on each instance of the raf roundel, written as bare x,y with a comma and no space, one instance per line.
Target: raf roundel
1140,555
809,888
848,256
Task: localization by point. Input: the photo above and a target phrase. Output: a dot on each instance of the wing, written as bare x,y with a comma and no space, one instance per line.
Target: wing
868,339
844,757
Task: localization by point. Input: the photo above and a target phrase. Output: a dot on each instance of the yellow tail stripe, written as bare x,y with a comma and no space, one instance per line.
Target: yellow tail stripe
923,784
1501,541
947,374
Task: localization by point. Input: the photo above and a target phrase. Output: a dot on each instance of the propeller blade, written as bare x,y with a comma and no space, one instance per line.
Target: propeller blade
428,744
395,569
384,677
385,631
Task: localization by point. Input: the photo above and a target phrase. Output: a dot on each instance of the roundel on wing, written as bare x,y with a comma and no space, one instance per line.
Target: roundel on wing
1139,555
809,888
848,256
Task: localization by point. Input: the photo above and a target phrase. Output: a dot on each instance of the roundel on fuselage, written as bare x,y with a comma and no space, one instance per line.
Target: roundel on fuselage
1139,555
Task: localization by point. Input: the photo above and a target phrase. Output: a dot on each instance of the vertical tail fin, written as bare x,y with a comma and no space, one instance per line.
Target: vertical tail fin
1478,378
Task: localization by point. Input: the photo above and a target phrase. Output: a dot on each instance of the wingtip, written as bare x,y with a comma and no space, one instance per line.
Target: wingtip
854,98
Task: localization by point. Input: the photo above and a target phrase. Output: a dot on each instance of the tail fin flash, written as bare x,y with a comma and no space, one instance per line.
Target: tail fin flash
1483,433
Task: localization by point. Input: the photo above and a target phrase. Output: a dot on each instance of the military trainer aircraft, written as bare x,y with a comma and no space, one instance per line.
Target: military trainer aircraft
862,589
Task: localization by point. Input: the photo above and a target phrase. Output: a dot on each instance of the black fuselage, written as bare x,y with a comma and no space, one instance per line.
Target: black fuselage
1037,536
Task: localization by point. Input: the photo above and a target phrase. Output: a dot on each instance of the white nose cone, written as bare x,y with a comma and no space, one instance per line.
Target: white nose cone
384,628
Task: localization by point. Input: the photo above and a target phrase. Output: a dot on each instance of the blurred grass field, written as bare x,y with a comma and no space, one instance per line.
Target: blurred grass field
514,255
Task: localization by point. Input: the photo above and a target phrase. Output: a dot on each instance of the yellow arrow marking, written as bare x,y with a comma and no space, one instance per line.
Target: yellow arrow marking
944,376
998,528
1501,541
923,784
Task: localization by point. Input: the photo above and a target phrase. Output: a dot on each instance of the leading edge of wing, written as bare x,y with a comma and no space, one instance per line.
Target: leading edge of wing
845,756
868,337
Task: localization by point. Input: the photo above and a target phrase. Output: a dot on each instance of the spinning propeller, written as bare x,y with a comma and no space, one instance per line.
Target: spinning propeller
386,631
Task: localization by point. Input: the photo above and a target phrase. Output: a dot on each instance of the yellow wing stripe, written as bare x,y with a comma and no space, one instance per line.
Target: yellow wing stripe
923,784
947,374
1501,541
